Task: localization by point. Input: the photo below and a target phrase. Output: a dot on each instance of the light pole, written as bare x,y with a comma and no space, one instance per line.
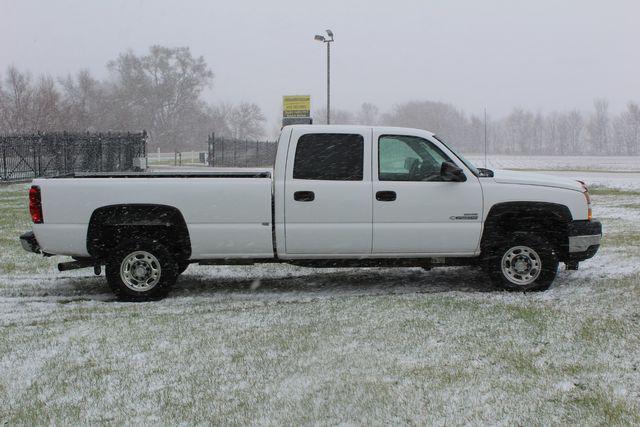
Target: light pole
328,40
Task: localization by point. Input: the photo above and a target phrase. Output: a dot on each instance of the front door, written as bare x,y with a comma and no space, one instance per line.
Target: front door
414,210
328,208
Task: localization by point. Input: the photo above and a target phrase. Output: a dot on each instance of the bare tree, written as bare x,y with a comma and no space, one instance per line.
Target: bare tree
161,90
46,105
575,125
338,117
441,118
626,129
85,103
16,101
521,132
475,135
28,108
220,117
369,114
246,121
598,127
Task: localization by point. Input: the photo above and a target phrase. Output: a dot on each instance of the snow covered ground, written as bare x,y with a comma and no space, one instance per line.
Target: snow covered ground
284,345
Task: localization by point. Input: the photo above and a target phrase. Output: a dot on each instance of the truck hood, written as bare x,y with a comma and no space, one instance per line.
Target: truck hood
526,178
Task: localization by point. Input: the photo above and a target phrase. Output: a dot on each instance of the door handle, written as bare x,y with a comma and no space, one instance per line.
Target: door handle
385,196
304,196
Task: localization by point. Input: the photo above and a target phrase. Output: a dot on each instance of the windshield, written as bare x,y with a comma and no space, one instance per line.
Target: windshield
466,162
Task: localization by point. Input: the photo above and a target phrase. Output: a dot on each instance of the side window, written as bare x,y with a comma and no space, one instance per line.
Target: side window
329,156
409,158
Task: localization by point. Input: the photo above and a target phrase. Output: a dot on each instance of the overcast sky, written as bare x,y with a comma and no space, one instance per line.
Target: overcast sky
538,54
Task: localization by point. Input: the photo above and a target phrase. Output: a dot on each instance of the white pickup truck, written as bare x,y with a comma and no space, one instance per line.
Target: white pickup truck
338,196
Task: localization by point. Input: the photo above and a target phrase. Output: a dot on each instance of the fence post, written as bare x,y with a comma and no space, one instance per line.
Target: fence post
64,157
35,159
119,157
100,145
212,149
144,143
65,154
4,160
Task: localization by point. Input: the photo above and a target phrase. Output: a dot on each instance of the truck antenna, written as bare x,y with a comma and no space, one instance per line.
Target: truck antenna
485,137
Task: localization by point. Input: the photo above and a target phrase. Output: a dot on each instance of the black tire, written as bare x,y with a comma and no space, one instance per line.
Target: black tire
530,263
159,265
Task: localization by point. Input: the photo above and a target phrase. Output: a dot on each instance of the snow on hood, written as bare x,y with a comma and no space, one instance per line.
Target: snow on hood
527,178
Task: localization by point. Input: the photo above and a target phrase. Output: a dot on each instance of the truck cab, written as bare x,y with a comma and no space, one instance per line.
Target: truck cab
360,192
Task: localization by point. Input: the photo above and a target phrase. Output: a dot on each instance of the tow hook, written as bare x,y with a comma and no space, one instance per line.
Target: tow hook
97,269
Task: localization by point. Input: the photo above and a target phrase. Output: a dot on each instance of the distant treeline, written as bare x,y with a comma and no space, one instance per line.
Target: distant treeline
597,132
161,92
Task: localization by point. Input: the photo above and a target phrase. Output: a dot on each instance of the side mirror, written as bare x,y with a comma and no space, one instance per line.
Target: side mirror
451,172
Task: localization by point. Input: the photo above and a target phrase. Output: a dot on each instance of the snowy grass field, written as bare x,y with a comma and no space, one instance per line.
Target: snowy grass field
286,345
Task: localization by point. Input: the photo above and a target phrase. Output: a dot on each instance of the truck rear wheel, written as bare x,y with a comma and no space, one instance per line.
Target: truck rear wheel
527,262
141,270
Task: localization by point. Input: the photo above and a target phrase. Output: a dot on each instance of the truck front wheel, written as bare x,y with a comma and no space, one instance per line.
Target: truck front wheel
141,270
527,262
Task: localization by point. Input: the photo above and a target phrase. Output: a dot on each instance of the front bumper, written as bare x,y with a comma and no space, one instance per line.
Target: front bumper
584,239
29,242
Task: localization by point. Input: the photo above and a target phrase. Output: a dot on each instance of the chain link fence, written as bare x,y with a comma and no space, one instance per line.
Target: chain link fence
50,154
226,152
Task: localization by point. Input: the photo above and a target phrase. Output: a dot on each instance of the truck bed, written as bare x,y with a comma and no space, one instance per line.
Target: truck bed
228,214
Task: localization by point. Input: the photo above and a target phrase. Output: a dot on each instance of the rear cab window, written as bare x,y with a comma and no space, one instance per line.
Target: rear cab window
329,157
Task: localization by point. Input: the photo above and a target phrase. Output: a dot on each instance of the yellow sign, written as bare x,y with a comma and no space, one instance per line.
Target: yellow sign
296,106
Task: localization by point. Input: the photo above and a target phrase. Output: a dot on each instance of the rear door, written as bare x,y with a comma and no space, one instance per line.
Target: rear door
328,206
415,211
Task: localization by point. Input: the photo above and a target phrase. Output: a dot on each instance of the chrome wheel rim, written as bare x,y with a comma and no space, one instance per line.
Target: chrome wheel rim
140,271
521,265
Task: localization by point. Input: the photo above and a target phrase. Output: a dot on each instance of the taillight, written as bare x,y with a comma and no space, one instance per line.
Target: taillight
35,205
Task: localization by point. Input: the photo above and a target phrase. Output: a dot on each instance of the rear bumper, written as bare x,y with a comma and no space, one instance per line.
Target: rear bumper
584,239
29,242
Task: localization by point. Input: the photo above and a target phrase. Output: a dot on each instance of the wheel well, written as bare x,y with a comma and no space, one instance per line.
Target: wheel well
110,225
550,220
